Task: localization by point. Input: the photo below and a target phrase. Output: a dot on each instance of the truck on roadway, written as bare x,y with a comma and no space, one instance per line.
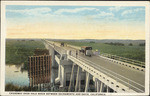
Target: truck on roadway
86,50
62,44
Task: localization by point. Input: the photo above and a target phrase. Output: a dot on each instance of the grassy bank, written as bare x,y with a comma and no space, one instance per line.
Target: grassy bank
12,87
133,52
17,51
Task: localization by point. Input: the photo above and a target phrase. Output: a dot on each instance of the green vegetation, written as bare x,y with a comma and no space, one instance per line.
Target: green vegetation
135,52
12,87
116,44
17,51
130,44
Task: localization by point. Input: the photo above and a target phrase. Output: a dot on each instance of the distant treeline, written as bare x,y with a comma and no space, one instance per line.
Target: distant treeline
116,44
121,44
92,42
142,44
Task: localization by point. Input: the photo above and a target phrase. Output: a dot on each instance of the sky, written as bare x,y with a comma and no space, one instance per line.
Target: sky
75,22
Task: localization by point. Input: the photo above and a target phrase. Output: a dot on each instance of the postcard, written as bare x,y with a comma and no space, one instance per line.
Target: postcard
75,48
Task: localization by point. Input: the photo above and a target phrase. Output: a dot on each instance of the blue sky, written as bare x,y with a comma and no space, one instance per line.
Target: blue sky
119,13
92,15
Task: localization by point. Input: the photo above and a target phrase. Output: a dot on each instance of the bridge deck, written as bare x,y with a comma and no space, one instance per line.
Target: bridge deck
128,76
117,71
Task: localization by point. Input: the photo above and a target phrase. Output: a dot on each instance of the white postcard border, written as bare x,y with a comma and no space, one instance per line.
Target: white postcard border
75,3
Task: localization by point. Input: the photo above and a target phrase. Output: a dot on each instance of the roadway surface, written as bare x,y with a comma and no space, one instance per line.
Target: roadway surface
130,77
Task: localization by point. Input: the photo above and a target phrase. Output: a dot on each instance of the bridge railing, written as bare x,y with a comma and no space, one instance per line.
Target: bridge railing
123,59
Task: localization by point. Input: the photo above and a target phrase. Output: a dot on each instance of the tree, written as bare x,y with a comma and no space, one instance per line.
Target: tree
130,44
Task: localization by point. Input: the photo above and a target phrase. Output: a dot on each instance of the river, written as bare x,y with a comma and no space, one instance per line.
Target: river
13,74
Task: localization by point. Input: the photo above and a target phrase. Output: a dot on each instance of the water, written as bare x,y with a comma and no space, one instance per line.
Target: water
13,74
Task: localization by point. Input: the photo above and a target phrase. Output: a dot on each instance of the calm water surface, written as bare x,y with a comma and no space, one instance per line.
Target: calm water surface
14,75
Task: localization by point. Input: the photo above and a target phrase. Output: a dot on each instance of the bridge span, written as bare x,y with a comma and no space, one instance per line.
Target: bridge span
107,75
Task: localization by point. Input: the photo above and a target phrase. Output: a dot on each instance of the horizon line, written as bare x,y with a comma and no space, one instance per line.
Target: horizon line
74,39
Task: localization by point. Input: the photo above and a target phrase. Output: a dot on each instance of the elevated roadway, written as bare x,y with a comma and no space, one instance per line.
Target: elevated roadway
134,79
129,77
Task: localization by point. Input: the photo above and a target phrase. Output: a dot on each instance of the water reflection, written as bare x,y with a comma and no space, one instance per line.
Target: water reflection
13,74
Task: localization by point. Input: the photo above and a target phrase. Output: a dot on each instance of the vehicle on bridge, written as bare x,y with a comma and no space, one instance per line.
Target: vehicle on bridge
62,44
86,50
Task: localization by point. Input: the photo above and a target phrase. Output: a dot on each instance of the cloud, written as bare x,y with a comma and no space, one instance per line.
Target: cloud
103,14
106,14
117,8
35,11
138,9
131,11
75,10
126,12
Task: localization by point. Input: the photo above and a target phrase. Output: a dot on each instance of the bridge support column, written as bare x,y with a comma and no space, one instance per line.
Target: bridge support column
95,83
52,53
59,78
102,87
78,78
62,77
107,89
98,86
87,81
71,78
79,83
59,72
